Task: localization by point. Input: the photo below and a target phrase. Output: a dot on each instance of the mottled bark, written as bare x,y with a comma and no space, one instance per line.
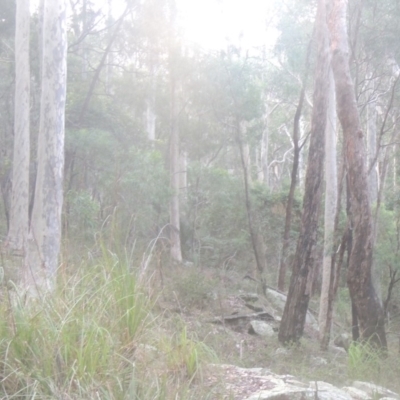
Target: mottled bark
331,195
365,301
19,219
294,315
371,143
293,180
45,228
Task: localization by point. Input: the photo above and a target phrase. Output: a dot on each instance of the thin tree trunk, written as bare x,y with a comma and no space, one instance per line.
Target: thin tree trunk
362,292
331,195
100,67
151,97
255,237
45,229
19,213
294,314
264,148
176,251
293,179
371,144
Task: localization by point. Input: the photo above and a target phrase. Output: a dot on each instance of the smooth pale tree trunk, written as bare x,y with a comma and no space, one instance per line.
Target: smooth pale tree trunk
373,173
263,168
294,314
247,157
19,213
174,167
365,301
183,162
45,228
150,104
331,195
176,251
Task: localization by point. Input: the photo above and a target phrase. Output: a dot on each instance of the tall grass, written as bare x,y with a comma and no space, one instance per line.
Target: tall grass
95,337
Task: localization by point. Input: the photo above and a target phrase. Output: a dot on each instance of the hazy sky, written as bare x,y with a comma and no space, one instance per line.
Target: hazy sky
214,23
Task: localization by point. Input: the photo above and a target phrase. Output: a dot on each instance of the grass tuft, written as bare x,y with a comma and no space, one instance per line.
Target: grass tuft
95,337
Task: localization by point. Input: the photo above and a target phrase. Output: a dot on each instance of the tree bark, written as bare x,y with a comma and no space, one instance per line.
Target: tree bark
45,229
174,167
362,292
264,145
331,195
294,315
255,237
293,179
19,213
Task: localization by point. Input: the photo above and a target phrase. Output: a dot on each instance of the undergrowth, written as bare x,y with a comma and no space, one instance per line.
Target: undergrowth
95,337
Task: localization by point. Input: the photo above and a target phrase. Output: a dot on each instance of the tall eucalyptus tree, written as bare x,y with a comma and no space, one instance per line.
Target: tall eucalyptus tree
45,228
18,226
363,295
294,315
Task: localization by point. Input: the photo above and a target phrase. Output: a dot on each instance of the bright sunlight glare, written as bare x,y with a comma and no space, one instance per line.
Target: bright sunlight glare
214,24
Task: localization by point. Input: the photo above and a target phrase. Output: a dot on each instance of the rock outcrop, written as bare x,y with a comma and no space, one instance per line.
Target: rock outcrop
231,382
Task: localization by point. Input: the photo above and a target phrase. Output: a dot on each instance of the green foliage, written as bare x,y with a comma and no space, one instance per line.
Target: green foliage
364,362
193,288
215,216
185,355
83,214
95,334
129,187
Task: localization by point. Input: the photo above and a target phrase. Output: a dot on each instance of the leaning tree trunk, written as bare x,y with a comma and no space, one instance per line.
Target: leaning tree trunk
19,213
293,177
45,229
296,306
362,292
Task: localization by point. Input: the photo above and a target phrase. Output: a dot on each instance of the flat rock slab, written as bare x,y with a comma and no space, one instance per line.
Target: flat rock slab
262,384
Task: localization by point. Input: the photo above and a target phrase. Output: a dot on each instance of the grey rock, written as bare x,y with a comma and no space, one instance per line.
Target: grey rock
261,328
281,351
262,384
374,390
318,361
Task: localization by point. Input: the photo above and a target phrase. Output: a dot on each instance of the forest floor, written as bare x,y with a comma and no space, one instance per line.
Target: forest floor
198,298
176,332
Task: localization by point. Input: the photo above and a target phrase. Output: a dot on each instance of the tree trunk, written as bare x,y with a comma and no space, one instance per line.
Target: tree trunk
296,306
293,180
45,229
100,67
255,236
19,214
264,168
362,292
371,143
176,252
331,195
151,101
